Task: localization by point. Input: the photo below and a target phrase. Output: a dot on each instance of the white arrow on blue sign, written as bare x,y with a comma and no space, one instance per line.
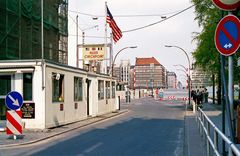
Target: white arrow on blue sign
14,100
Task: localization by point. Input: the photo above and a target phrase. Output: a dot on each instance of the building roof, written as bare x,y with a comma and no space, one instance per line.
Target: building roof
146,61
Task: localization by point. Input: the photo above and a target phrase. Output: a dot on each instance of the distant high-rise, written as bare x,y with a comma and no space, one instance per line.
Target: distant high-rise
122,72
149,74
171,80
20,30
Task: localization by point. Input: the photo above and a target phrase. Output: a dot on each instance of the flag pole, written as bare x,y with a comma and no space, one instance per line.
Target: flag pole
111,55
105,47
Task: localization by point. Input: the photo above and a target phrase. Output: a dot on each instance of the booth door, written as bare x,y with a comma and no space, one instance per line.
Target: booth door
5,83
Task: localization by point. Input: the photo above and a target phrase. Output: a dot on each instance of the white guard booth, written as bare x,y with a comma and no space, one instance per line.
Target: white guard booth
56,94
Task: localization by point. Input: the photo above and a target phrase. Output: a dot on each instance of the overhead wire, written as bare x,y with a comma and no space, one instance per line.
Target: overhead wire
149,25
142,27
136,15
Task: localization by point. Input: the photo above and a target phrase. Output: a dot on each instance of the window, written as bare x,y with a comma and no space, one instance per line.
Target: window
113,89
57,87
100,89
107,85
78,90
27,86
5,82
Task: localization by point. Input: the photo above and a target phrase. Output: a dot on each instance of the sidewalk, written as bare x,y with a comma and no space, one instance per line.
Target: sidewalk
194,143
31,136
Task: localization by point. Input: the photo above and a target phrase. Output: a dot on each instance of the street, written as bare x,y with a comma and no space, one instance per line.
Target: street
151,127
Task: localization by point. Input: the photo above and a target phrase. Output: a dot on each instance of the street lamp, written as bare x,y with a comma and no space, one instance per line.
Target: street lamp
132,47
189,80
181,66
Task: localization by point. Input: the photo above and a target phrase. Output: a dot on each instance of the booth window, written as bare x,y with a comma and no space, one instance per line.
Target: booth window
78,90
100,89
113,89
57,87
27,86
107,85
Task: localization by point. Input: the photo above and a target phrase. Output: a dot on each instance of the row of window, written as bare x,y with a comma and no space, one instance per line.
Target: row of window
57,87
107,89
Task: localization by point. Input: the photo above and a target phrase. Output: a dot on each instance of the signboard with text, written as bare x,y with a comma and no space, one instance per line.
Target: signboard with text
93,52
28,110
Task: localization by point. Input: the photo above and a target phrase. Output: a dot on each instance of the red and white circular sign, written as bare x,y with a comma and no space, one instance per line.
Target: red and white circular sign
227,5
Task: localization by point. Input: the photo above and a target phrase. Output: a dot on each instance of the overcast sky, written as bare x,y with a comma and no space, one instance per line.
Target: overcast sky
150,41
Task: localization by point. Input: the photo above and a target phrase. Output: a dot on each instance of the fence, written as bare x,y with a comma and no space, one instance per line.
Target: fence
206,126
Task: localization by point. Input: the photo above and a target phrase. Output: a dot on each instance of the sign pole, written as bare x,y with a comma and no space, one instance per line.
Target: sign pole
230,86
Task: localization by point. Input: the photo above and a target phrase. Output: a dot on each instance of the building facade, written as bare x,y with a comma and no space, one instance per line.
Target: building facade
53,93
149,74
171,80
122,72
20,30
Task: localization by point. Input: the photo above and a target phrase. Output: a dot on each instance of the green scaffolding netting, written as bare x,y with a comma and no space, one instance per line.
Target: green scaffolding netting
20,29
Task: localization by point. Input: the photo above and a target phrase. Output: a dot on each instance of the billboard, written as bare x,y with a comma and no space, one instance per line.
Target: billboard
93,52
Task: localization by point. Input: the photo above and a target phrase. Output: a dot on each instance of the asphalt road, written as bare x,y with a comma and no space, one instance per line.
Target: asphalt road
151,128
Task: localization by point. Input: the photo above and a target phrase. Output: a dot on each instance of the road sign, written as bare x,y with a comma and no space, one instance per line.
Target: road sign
227,35
14,122
239,61
14,100
227,5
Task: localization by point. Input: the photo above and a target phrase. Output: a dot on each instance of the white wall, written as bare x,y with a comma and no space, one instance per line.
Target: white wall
54,116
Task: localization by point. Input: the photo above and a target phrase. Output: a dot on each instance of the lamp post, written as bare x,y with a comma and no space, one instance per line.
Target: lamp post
181,66
189,80
132,47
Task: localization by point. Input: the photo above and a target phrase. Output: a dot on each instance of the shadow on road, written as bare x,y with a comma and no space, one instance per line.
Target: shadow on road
136,136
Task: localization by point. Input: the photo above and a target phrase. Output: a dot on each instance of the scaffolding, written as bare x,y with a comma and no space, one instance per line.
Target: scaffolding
20,30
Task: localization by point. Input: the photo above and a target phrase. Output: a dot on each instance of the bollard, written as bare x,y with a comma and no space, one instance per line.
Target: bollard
194,107
118,102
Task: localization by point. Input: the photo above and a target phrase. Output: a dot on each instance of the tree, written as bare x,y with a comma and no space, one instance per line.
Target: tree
206,55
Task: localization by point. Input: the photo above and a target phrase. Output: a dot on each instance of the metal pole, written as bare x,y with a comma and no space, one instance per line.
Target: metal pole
105,49
42,47
223,102
111,55
230,88
227,101
77,53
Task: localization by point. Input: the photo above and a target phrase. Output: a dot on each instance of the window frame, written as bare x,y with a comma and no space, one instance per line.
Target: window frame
24,87
59,96
78,89
100,89
107,90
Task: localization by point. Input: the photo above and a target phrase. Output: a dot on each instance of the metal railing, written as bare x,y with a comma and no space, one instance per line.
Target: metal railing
205,126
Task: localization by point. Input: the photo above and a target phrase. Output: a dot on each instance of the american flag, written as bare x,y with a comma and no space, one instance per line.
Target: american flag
117,33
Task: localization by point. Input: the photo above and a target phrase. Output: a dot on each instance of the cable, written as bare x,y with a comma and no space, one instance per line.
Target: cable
88,36
159,21
75,22
141,15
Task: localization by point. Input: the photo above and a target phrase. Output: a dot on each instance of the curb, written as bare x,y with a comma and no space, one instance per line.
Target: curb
66,131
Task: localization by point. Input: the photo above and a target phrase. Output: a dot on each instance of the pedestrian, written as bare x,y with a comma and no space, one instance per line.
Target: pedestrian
194,96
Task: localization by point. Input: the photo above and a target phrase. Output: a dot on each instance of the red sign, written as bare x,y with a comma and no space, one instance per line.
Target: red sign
227,5
14,122
227,35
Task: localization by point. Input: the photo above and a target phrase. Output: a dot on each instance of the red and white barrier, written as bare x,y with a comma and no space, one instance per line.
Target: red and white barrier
14,122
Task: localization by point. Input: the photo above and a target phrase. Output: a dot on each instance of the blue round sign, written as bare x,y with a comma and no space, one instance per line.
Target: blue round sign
14,100
227,35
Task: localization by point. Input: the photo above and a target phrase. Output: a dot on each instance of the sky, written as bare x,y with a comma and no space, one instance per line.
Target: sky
178,31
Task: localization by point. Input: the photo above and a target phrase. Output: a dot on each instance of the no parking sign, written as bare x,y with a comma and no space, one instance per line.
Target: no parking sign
227,35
